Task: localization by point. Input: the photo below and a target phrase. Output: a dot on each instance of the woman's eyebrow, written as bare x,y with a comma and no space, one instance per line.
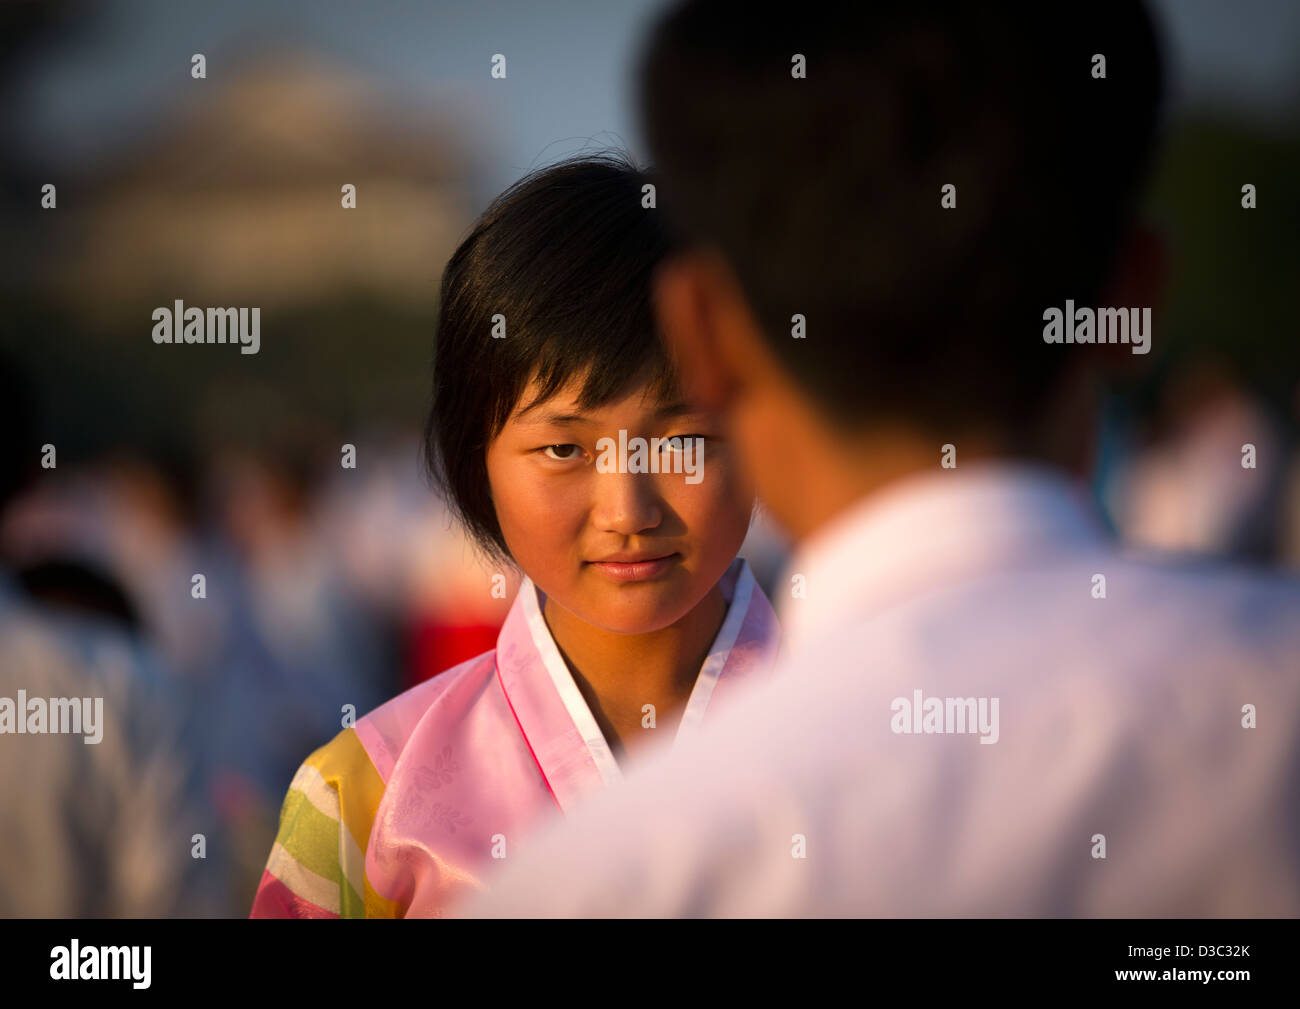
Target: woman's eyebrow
551,418
674,409
677,409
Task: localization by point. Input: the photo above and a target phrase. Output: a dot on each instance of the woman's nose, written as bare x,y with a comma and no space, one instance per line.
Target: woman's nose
626,503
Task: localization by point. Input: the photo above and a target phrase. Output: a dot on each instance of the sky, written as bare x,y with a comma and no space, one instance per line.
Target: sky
123,62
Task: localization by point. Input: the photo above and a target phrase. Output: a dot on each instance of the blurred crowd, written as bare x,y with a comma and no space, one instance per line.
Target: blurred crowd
320,600
314,605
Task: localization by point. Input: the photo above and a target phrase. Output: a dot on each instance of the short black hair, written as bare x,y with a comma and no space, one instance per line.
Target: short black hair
566,256
823,193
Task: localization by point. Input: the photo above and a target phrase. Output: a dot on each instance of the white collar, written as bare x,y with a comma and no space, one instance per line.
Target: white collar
927,530
549,715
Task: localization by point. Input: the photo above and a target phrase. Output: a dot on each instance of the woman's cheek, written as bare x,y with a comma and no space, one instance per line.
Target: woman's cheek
543,513
512,489
717,510
730,499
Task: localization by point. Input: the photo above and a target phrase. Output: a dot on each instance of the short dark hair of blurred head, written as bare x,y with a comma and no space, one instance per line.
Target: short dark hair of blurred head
61,583
823,193
565,256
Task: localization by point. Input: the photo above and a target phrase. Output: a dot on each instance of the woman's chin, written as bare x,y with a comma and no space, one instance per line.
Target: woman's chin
639,616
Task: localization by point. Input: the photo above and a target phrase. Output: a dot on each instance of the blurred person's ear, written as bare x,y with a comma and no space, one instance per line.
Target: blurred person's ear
802,466
710,331
683,300
1138,280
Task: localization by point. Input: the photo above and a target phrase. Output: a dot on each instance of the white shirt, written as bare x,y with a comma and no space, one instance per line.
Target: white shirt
1119,731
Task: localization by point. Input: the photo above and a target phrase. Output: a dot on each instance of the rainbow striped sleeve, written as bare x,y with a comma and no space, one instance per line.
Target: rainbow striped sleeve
317,866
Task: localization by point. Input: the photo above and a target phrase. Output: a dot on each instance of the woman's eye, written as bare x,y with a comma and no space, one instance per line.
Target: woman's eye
562,455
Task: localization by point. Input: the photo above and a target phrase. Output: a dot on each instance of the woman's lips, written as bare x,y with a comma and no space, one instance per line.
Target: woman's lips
635,571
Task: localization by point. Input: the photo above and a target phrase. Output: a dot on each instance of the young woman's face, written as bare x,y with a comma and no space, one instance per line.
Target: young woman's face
567,522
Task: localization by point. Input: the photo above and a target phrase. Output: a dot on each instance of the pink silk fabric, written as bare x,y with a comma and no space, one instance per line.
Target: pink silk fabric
473,758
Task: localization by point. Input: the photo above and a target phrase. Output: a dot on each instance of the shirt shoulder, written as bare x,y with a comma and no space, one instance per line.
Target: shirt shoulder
1139,619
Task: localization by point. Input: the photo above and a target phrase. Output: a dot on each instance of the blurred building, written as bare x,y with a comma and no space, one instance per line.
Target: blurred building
236,197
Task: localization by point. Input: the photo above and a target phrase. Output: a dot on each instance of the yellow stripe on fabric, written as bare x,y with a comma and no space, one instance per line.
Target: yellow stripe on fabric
311,837
321,891
322,795
354,876
317,789
344,765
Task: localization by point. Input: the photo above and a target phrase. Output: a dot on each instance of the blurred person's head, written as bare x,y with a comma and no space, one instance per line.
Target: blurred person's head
53,579
811,206
546,345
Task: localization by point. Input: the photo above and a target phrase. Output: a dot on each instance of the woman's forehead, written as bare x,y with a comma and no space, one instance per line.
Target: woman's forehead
640,397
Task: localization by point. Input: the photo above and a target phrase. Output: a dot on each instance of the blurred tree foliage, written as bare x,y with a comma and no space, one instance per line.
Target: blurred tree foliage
327,372
1234,273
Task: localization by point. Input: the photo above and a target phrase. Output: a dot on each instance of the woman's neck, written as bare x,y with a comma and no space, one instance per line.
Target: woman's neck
620,673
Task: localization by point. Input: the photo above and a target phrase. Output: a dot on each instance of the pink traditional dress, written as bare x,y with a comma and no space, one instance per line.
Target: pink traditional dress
398,814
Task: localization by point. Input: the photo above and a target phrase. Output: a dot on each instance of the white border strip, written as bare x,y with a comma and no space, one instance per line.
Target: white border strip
718,653
574,702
